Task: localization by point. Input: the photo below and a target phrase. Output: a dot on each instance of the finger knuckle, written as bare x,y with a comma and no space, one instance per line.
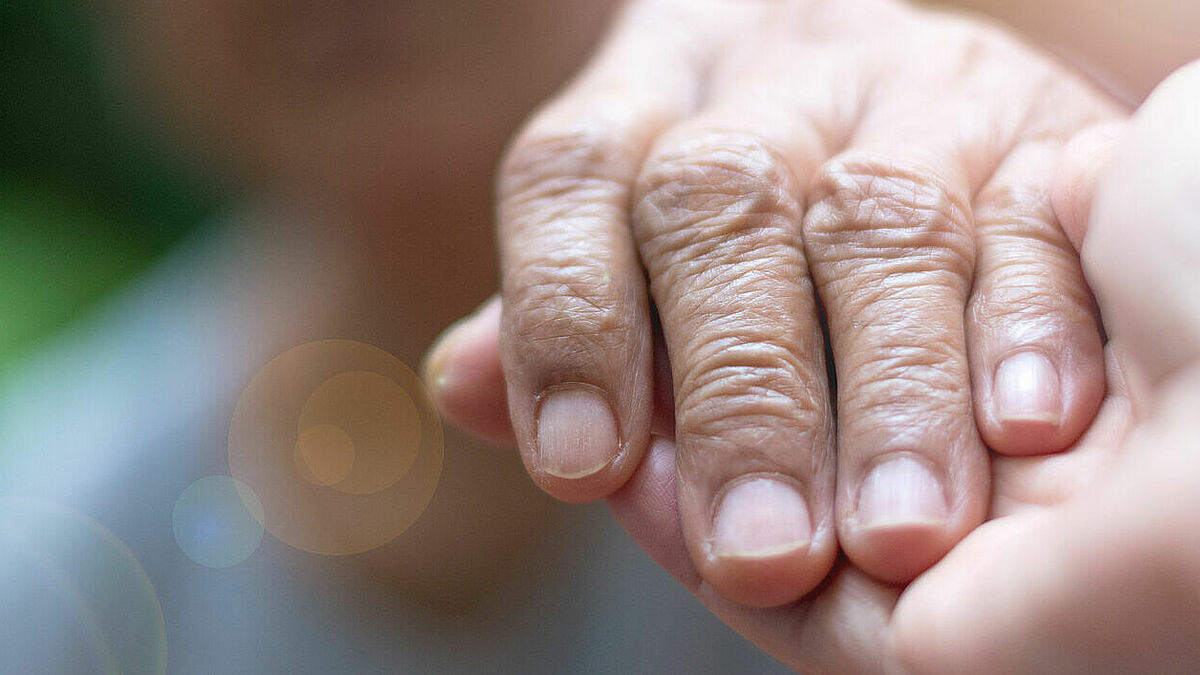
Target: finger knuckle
1018,215
907,380
1026,302
1013,298
553,166
1020,212
716,194
899,215
750,393
569,308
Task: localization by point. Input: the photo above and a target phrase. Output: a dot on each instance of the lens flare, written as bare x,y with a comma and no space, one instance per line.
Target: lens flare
324,454
377,417
342,444
73,598
218,521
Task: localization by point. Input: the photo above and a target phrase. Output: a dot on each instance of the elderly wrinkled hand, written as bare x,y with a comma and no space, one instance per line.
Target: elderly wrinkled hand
772,184
1091,558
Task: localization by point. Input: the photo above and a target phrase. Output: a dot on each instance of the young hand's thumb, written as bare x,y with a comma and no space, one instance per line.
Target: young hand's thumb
1141,251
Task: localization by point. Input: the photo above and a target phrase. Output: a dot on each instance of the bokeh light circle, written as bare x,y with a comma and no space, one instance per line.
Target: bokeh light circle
73,598
324,454
342,444
218,521
378,418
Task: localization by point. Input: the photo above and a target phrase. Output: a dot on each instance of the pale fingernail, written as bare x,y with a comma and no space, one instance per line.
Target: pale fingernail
1027,389
435,374
760,518
900,492
576,432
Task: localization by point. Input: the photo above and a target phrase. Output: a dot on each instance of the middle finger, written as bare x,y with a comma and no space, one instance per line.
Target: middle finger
718,226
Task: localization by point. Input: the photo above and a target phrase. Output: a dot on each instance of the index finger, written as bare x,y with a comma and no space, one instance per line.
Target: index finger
576,328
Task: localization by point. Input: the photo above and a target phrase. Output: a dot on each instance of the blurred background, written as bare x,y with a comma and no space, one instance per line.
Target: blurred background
87,198
196,198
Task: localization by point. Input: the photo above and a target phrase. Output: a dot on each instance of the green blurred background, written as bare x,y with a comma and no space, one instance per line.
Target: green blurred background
86,198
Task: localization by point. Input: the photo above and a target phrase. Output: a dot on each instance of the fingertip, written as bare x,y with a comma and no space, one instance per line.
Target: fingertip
767,581
902,522
480,330
465,378
900,553
1073,184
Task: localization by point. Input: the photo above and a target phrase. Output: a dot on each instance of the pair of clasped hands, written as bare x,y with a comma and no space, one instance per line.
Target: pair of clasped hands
892,433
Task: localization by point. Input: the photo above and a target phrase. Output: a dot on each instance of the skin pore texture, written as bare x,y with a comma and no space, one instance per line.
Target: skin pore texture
1090,558
772,177
977,609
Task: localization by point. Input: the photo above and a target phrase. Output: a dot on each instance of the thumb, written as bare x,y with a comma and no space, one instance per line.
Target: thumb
1079,169
1141,253
463,373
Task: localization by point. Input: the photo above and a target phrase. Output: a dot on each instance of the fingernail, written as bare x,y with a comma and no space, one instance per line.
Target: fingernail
761,518
901,491
1026,388
576,432
435,375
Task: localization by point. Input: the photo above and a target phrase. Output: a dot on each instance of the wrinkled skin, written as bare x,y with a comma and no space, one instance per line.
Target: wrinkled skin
1090,560
787,175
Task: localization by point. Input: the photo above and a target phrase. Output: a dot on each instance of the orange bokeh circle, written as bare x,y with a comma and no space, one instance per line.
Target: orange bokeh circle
341,443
